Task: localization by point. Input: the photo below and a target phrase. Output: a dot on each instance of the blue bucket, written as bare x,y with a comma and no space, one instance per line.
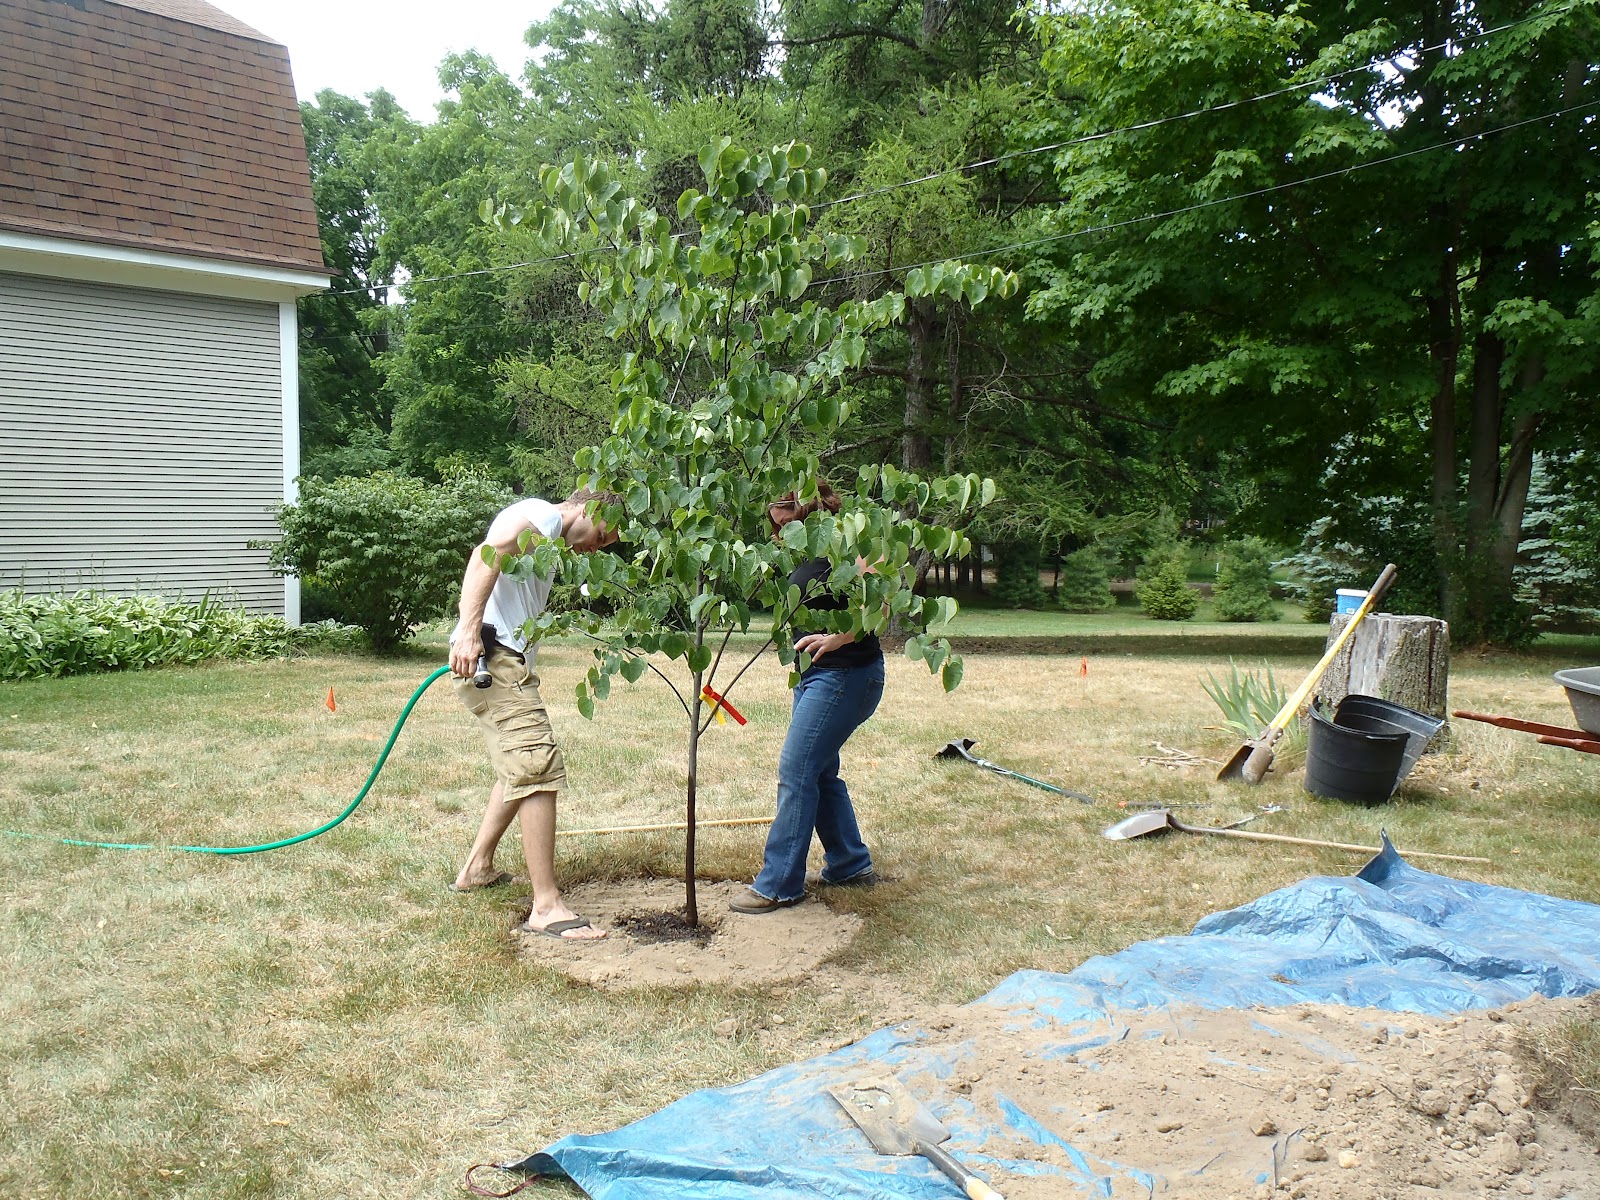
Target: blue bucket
1347,600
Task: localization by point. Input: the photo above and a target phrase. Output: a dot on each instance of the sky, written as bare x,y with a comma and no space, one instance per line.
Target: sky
358,46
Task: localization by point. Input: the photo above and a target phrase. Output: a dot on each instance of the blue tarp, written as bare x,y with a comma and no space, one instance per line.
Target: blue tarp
1392,937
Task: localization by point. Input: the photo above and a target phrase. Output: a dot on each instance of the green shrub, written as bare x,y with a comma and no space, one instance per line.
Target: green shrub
1244,582
385,551
1164,590
1016,583
51,636
1084,584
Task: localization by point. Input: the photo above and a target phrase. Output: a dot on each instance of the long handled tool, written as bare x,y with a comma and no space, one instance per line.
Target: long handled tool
962,748
1160,821
895,1123
1251,761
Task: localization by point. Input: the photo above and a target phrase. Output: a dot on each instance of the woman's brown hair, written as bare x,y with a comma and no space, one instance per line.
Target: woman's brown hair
789,506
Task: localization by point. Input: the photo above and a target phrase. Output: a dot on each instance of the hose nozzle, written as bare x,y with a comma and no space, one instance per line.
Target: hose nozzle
481,677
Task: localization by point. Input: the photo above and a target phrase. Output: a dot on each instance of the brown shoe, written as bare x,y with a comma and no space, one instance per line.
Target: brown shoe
753,902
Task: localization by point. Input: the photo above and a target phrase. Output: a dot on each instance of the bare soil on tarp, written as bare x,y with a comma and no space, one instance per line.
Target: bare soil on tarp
1309,1102
1327,1103
646,948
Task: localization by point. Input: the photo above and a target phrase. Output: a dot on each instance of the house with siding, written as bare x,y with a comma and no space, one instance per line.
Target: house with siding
156,228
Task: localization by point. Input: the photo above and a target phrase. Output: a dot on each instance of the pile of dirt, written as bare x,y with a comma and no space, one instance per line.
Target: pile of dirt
1312,1102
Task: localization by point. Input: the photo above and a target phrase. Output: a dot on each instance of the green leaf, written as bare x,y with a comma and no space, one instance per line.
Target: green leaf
634,668
585,701
793,535
950,677
699,658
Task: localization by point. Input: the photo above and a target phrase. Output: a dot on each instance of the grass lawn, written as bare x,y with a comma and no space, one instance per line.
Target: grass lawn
327,1020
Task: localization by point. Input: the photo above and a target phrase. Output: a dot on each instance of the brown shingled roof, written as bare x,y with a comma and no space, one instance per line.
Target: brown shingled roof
161,125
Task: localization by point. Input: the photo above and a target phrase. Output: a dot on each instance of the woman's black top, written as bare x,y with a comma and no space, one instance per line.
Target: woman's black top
812,580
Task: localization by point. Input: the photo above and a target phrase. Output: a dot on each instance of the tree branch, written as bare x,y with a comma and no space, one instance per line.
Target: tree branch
843,35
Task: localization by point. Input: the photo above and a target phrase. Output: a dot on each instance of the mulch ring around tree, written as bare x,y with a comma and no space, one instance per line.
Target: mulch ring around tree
650,945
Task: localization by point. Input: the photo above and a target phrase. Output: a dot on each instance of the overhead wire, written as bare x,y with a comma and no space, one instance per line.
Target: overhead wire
1203,204
979,164
1250,195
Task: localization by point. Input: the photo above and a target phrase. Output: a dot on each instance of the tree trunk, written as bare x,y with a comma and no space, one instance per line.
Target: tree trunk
691,906
916,442
1444,328
1405,660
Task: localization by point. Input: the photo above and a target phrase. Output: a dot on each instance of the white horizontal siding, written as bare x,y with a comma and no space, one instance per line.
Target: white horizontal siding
141,440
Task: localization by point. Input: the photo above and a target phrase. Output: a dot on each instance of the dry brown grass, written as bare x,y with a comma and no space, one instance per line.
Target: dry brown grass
327,1020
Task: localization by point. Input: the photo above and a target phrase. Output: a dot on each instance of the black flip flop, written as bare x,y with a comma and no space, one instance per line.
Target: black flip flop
556,928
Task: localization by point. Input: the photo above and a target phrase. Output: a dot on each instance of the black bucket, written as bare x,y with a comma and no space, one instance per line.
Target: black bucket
1350,764
1368,714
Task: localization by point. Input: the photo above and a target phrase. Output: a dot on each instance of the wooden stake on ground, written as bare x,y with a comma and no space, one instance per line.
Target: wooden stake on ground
665,826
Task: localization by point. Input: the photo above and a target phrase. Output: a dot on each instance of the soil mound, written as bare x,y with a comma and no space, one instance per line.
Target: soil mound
735,949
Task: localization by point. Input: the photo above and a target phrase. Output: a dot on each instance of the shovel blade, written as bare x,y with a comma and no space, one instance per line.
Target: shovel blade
960,748
1233,768
891,1117
1141,824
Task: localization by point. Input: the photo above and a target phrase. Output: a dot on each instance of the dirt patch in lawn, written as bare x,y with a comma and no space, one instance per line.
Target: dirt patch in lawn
1305,1103
645,948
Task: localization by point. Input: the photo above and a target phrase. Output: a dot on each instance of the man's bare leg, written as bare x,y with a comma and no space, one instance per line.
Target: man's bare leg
539,850
497,817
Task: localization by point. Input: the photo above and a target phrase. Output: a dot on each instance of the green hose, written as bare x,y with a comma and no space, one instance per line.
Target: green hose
304,837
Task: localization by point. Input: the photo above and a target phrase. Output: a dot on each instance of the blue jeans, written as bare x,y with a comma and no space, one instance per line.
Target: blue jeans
829,705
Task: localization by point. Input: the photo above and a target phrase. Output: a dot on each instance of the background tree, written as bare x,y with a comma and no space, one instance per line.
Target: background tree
1428,310
344,414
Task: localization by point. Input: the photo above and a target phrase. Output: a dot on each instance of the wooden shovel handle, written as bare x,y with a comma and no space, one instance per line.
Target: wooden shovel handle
1292,705
974,1187
1279,837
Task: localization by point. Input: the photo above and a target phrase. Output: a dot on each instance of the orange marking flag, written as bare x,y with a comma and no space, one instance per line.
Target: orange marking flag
329,704
722,706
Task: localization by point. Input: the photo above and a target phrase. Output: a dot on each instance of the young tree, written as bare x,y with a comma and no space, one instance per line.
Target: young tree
730,382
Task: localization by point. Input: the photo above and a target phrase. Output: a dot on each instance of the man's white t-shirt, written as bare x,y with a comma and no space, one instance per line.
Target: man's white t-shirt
515,601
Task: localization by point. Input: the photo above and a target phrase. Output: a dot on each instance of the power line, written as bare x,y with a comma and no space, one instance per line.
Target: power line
1160,121
988,162
1211,203
1276,187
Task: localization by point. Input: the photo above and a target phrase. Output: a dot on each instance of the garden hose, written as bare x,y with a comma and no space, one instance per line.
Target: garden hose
278,845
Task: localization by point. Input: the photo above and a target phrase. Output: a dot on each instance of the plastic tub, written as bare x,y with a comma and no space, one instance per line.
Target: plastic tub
1352,764
1347,600
1369,714
1583,693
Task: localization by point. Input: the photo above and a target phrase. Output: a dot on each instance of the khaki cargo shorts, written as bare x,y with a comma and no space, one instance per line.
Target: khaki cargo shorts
522,745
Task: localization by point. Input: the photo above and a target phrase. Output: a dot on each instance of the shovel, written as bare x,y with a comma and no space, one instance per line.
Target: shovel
1252,761
962,748
1143,824
895,1123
